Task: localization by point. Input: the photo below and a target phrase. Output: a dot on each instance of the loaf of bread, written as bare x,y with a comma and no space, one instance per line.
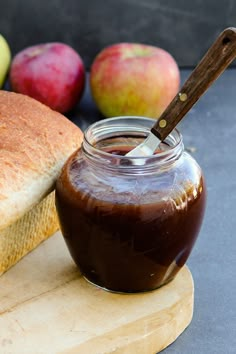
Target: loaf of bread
35,142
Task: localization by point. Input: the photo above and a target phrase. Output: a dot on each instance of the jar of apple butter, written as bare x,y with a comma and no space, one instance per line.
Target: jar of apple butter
130,223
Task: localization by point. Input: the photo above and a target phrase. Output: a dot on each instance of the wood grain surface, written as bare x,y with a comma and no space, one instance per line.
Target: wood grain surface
47,307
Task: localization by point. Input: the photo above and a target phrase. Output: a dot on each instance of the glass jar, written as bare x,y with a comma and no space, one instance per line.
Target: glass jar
129,222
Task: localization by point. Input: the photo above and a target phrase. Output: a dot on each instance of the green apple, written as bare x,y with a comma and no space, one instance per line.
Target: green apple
5,59
133,79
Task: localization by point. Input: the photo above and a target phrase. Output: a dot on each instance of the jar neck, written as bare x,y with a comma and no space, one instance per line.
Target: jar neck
112,134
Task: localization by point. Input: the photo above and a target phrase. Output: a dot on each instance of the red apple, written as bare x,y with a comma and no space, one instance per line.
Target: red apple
133,79
52,73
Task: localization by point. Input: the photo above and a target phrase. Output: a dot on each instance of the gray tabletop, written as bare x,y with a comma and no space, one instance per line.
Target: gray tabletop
210,127
209,133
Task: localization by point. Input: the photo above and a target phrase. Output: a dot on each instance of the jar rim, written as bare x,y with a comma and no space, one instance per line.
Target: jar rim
131,125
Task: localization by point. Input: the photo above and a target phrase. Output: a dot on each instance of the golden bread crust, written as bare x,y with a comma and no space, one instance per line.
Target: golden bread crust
35,143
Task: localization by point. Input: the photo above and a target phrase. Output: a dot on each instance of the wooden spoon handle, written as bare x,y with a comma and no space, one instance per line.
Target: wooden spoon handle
215,61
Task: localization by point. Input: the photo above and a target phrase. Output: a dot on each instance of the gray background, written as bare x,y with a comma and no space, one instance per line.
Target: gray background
184,28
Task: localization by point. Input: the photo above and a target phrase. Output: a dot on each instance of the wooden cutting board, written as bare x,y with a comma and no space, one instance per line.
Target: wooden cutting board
47,307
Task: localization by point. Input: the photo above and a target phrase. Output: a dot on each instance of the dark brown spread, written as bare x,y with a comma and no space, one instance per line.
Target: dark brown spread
127,241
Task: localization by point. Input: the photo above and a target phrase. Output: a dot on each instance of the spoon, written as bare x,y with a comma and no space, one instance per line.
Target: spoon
218,57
